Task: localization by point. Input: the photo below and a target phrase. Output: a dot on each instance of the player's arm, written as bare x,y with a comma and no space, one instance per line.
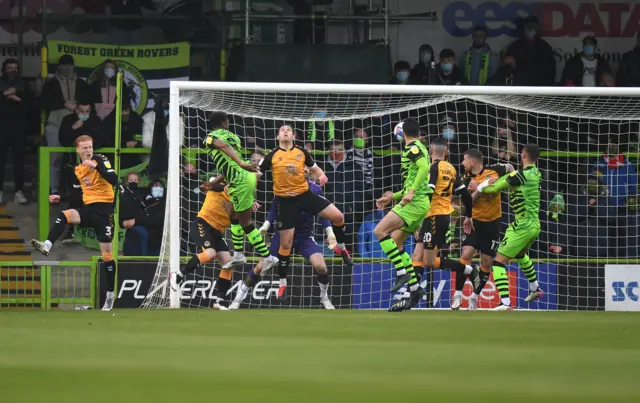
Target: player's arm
433,177
514,179
423,173
465,197
216,143
104,168
309,162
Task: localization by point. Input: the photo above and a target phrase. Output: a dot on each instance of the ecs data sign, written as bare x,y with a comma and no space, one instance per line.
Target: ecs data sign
622,287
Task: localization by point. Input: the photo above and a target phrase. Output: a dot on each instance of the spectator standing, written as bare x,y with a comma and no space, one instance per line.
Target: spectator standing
58,99
103,89
83,122
423,73
503,145
362,158
477,61
15,100
629,69
619,175
507,75
148,223
534,56
155,135
130,133
401,73
586,68
447,73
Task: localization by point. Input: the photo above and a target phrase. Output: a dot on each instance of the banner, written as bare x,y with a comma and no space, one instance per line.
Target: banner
135,279
622,291
148,69
372,281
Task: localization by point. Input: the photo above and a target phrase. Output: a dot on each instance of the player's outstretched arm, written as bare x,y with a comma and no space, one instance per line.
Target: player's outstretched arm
498,186
104,168
231,153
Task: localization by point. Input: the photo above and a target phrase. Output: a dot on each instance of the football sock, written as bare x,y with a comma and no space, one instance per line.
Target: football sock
323,283
111,274
390,249
237,236
484,277
283,265
57,229
501,281
338,230
526,265
408,267
460,280
256,240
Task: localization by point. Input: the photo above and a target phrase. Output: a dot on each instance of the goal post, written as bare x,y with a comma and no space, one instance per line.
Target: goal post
258,108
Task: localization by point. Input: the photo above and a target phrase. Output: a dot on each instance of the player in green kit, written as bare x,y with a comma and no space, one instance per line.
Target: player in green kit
406,217
524,199
224,150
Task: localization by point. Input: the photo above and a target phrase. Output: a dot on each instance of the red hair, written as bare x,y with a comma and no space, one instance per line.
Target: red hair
82,139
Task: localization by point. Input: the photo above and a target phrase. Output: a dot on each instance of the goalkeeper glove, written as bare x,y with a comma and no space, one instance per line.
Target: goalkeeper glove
331,238
264,228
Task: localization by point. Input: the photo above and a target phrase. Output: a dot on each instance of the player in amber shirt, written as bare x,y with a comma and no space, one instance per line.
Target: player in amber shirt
484,237
445,182
287,162
207,232
97,180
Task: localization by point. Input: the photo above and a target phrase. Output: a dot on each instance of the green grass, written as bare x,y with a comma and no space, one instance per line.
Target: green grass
318,356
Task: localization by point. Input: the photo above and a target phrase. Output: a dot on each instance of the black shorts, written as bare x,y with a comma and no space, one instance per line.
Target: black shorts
205,237
485,238
434,231
290,208
98,216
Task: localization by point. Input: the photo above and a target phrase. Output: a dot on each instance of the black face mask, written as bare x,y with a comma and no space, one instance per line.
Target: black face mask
508,69
133,185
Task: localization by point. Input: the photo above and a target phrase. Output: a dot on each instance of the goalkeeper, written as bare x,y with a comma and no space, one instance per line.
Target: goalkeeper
241,177
304,244
524,199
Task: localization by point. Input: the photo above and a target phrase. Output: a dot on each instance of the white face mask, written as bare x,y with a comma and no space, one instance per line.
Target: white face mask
157,191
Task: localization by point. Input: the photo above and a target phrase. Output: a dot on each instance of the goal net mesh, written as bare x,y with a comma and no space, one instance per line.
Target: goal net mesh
588,208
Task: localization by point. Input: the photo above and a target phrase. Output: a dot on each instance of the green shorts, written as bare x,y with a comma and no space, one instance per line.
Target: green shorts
242,192
518,238
412,214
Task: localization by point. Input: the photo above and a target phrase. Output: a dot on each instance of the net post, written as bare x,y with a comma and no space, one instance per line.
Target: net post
173,189
116,167
44,158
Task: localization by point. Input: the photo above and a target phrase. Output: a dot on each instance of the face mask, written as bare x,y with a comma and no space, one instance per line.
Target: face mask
447,67
11,75
109,72
166,112
336,156
125,118
588,50
426,58
448,134
83,116
66,71
358,142
321,114
530,33
133,185
402,75
157,192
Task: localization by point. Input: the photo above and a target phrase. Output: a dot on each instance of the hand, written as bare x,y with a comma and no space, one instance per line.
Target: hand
249,167
90,163
408,198
10,91
323,179
555,249
492,180
54,199
70,105
264,229
468,225
382,202
256,207
129,223
509,168
132,143
205,187
473,186
14,97
77,125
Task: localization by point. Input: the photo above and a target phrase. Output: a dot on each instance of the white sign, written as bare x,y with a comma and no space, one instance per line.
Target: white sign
622,287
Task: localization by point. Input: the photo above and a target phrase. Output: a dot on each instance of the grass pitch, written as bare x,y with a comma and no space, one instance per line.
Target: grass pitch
318,356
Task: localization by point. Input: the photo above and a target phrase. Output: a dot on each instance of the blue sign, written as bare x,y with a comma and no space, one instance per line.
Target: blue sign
372,281
620,289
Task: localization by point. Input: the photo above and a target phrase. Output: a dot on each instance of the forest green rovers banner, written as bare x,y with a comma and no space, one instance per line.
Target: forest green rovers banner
148,69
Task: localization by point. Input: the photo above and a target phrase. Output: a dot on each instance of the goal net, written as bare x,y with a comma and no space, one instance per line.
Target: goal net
588,210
